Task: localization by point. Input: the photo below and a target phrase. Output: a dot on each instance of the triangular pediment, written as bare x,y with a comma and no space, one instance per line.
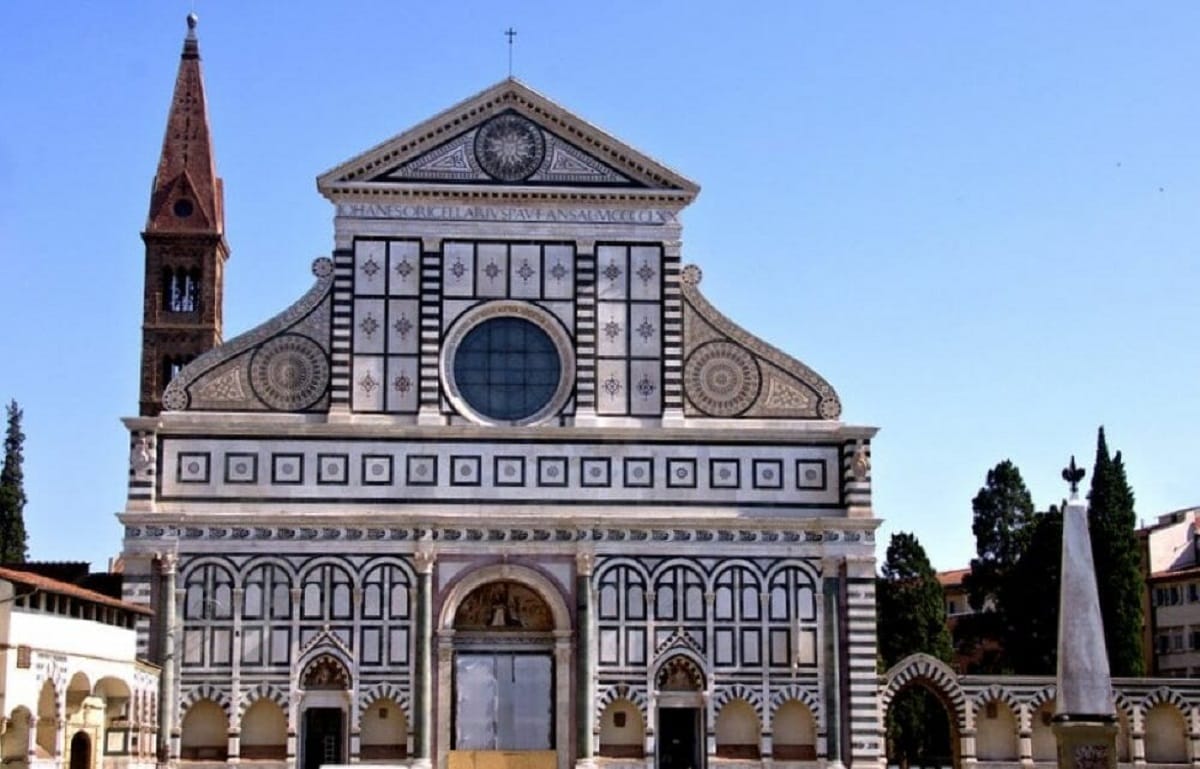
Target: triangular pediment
507,136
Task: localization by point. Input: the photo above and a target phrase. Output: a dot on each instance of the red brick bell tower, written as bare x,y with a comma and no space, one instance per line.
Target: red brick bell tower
184,237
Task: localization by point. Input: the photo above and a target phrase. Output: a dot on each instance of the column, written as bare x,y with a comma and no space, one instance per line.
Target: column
293,742
422,724
167,693
234,744
831,645
966,748
1137,746
585,660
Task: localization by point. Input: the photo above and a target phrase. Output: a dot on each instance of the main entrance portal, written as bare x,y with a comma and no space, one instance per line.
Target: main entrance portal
322,737
505,683
679,738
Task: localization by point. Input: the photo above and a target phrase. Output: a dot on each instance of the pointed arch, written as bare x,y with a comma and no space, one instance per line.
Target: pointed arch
808,697
935,675
205,691
263,690
1041,697
739,692
634,694
383,690
1161,695
997,693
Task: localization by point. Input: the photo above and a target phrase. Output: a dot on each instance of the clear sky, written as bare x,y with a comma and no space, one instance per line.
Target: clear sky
977,220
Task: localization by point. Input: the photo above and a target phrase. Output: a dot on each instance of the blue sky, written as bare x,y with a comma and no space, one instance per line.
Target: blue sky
977,220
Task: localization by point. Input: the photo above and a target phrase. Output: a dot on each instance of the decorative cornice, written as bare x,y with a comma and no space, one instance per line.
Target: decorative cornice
147,528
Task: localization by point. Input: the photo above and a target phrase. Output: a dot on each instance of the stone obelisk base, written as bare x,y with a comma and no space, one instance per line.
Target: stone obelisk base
1086,744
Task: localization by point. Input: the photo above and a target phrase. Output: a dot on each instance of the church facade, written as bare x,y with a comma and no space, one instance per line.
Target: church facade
503,489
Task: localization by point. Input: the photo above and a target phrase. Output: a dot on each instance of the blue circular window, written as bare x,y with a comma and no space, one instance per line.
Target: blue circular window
507,368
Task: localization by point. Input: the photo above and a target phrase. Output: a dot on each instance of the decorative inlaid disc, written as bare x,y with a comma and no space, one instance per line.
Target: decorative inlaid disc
721,379
509,148
289,372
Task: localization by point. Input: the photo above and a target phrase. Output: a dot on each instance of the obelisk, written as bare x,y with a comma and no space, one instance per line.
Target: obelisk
1085,719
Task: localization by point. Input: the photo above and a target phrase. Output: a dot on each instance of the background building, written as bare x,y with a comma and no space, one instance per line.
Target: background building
1172,597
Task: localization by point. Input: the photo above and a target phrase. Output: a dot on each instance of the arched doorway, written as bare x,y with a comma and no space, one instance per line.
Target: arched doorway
504,677
920,728
923,708
325,682
81,751
679,691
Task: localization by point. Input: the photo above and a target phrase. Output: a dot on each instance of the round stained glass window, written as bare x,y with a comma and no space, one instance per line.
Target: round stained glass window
507,368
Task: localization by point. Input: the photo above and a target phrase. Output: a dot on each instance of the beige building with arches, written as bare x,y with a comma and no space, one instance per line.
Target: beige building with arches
73,694
1004,721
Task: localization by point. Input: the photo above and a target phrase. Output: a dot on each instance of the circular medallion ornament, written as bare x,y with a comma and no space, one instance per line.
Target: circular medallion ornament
322,267
509,148
175,399
721,379
289,372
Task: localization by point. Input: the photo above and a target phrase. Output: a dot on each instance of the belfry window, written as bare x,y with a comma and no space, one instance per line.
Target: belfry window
181,290
172,365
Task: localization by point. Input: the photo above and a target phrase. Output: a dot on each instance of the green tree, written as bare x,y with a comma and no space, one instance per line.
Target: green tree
1029,596
13,546
912,618
1002,524
1117,556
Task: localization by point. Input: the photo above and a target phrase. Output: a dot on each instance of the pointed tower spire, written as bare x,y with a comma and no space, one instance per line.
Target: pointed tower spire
185,238
187,192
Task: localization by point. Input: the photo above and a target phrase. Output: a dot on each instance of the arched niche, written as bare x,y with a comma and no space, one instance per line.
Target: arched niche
264,732
204,732
794,732
383,732
622,730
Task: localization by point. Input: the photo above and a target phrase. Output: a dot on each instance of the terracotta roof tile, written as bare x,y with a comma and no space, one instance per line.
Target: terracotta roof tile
49,585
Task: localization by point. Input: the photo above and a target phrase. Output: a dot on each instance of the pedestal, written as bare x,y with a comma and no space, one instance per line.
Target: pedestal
1086,744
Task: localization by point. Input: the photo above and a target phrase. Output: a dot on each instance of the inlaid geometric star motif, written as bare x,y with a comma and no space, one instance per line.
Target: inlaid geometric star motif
402,326
612,329
368,383
558,272
645,272
612,271
369,325
645,387
612,386
458,269
492,270
402,384
370,267
403,268
525,271
645,329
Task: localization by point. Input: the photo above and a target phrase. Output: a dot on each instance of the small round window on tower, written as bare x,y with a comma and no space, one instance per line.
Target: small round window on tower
183,208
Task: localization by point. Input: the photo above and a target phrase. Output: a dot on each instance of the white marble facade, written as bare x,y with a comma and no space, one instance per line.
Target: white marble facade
505,431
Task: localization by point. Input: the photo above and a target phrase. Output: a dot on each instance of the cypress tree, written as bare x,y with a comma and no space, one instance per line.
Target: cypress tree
912,618
13,546
1117,556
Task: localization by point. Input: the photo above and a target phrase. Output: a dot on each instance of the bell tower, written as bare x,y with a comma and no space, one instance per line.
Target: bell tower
184,237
